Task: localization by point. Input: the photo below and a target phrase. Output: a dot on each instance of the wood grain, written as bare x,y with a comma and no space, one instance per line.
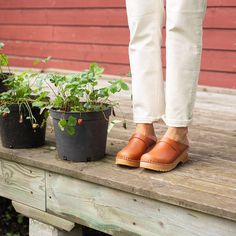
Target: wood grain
43,217
211,78
205,184
116,17
11,4
118,213
107,53
22,183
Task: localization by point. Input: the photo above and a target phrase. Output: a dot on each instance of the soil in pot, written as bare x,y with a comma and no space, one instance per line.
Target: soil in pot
89,141
17,132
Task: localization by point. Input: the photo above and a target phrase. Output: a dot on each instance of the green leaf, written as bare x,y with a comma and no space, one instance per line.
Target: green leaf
58,102
38,104
124,86
103,92
62,124
113,89
96,69
3,60
4,109
70,130
71,121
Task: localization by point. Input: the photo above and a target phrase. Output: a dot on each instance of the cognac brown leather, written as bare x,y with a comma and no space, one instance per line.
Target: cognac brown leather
137,145
166,151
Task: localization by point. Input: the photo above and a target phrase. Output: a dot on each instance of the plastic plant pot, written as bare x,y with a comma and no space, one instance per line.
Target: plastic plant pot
17,132
89,141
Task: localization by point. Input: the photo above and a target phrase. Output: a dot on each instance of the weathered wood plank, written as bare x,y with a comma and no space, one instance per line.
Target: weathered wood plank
100,16
211,102
31,4
62,4
203,143
210,78
206,183
57,38
197,167
43,217
120,213
22,183
145,184
118,69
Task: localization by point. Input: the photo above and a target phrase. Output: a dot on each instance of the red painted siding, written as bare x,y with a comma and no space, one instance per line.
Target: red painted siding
76,32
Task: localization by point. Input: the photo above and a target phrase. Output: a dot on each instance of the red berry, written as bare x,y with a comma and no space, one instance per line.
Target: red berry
80,121
5,114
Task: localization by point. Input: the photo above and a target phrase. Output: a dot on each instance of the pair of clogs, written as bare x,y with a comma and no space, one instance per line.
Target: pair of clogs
162,154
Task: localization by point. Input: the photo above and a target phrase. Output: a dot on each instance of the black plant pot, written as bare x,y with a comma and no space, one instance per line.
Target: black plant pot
89,141
15,134
4,76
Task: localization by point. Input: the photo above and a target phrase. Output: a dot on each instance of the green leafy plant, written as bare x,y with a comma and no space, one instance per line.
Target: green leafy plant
42,61
11,222
4,61
80,93
25,90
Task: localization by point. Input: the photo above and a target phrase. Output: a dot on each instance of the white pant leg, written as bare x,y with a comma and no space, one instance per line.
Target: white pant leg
145,20
183,56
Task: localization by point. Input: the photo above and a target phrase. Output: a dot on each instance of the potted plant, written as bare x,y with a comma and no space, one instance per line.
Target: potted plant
80,112
22,111
3,63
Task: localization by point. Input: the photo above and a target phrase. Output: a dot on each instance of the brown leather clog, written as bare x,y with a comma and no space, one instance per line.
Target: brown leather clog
138,144
165,155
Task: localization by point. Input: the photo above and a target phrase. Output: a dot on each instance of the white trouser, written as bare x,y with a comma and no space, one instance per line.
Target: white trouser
184,19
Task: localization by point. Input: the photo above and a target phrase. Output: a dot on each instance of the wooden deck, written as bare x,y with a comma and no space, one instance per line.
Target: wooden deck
198,198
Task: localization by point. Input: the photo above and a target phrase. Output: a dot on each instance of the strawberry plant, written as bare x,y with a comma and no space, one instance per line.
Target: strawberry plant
25,90
3,59
80,93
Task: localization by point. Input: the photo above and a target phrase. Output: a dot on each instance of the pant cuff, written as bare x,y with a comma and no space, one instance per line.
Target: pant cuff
176,123
148,119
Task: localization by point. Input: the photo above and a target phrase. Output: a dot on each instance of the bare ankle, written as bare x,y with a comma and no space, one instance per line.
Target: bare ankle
145,128
178,130
178,134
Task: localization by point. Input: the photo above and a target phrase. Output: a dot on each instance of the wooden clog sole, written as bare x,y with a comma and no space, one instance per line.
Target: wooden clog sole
132,163
121,161
165,167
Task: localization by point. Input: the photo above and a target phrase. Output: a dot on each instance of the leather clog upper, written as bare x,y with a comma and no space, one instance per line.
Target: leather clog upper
136,146
166,151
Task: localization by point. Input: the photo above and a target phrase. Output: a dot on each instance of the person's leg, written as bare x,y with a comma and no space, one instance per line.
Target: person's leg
183,55
184,19
145,21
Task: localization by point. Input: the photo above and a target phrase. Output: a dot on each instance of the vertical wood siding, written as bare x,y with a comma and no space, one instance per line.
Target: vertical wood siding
77,32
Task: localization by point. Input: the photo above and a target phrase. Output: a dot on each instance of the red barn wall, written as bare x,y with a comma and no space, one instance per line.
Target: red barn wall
77,32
